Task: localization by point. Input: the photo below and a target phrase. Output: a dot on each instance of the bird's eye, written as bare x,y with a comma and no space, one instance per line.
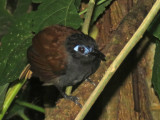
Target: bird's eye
82,49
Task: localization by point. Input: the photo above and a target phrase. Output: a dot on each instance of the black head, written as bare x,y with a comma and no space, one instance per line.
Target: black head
83,47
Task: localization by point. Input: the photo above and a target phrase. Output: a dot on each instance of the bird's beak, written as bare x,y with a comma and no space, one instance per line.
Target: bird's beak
98,54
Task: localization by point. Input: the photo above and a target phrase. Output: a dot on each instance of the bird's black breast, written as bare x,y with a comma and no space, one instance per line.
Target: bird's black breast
78,71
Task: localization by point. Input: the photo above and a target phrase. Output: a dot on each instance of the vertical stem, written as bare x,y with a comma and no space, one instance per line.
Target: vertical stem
85,27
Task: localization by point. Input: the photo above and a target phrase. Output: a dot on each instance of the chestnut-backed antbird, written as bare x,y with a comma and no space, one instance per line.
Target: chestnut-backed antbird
62,56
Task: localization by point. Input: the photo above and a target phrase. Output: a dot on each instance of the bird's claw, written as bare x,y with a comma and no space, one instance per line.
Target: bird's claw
90,81
74,99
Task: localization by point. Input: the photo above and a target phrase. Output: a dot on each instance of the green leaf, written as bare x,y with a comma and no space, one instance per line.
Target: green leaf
3,4
22,7
5,22
77,4
52,12
3,90
15,110
154,28
37,1
13,49
156,69
99,9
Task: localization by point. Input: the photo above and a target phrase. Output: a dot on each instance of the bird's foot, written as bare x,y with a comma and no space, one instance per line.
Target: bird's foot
90,81
74,99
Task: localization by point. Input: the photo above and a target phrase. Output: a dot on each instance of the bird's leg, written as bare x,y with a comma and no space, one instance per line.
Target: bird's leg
72,98
90,81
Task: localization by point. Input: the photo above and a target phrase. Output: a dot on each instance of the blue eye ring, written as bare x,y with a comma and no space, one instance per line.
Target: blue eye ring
82,49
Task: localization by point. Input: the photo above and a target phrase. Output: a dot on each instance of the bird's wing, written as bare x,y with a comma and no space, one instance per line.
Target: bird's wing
47,55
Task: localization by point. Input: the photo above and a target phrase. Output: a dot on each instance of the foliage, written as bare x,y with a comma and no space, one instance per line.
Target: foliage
155,27
64,10
16,110
156,69
100,9
3,90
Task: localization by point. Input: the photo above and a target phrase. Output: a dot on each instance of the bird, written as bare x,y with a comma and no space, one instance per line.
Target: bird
63,56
